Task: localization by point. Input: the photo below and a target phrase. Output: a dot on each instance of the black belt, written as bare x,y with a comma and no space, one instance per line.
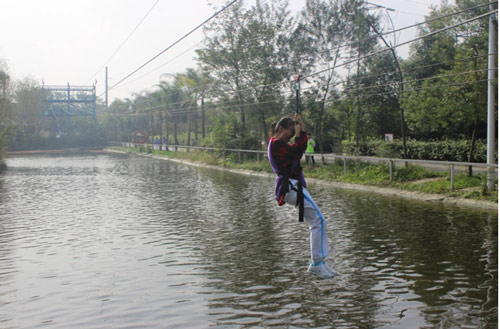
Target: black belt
300,199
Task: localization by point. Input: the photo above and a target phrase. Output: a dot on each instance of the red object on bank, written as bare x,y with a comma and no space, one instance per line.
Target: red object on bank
139,137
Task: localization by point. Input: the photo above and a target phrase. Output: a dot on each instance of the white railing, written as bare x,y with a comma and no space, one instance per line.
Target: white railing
326,158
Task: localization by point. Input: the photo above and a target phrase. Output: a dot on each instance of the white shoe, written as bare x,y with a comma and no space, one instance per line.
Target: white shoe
330,270
321,270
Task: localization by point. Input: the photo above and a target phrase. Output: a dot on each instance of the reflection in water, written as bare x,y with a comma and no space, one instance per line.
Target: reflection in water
127,242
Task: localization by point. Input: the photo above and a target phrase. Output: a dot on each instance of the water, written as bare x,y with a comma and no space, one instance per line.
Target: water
107,241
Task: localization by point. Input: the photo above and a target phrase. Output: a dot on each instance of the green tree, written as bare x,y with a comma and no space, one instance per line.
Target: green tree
192,90
380,90
248,56
225,56
117,120
269,48
28,109
173,102
362,42
449,91
324,29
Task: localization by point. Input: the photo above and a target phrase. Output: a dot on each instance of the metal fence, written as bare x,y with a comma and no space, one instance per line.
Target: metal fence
330,158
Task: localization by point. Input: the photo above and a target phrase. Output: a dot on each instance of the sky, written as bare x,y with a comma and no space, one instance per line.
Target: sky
56,42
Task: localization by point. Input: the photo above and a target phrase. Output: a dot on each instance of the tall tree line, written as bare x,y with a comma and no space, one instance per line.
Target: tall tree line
242,80
251,53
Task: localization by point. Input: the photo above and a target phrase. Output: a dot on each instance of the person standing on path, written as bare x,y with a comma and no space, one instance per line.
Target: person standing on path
290,187
311,144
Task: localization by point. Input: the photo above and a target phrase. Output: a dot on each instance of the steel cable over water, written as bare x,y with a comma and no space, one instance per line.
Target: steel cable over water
398,45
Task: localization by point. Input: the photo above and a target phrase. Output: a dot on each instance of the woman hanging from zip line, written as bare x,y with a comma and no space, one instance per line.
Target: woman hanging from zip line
290,187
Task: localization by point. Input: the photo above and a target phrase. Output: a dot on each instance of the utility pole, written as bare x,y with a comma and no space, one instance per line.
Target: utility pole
401,88
491,99
400,73
106,86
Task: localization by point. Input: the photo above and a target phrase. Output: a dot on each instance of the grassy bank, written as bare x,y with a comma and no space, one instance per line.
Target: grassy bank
411,178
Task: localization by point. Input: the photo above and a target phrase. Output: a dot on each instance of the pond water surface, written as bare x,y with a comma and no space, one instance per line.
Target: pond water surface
112,241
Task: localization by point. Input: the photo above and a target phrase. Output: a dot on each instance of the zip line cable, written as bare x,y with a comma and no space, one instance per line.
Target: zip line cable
390,32
168,62
191,110
380,51
377,52
422,79
423,22
411,69
178,113
160,66
125,41
172,45
361,79
344,91
401,44
404,43
419,2
412,26
378,94
423,88
175,58
311,87
341,46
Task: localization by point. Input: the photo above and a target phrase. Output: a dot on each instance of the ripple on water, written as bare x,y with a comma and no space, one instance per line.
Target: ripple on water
127,242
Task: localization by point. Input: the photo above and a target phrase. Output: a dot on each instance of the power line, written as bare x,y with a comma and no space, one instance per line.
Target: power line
419,80
410,69
403,43
419,2
383,50
125,41
378,94
159,106
172,45
192,110
414,25
370,76
376,52
423,88
398,45
339,83
160,66
168,62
